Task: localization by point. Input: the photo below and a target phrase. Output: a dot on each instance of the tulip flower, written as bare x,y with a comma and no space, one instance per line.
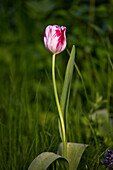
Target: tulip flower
55,42
55,39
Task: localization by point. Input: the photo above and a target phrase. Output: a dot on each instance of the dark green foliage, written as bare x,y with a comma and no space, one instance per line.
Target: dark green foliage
28,114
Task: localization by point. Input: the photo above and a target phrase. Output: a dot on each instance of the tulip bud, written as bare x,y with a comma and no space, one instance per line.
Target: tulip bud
55,39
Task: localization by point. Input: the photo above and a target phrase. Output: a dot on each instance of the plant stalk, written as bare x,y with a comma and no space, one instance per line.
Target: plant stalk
59,109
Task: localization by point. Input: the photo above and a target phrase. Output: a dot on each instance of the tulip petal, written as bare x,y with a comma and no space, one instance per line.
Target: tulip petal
55,39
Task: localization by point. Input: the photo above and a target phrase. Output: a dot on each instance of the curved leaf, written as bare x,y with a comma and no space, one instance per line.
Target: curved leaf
44,160
74,153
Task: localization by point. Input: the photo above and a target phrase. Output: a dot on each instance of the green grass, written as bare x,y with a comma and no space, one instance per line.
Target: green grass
28,123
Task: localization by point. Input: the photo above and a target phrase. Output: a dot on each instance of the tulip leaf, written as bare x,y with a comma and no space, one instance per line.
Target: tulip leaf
44,160
64,101
74,153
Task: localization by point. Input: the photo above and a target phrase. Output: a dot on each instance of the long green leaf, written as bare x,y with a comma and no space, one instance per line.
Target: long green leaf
44,160
74,153
64,101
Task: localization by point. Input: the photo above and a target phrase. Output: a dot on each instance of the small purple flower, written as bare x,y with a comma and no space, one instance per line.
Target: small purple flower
108,161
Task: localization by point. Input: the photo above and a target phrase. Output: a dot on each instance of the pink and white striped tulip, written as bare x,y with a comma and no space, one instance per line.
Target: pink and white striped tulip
55,39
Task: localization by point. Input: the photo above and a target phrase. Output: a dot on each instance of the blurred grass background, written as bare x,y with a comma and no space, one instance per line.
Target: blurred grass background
28,113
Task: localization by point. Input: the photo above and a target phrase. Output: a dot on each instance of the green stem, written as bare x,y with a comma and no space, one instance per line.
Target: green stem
59,109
